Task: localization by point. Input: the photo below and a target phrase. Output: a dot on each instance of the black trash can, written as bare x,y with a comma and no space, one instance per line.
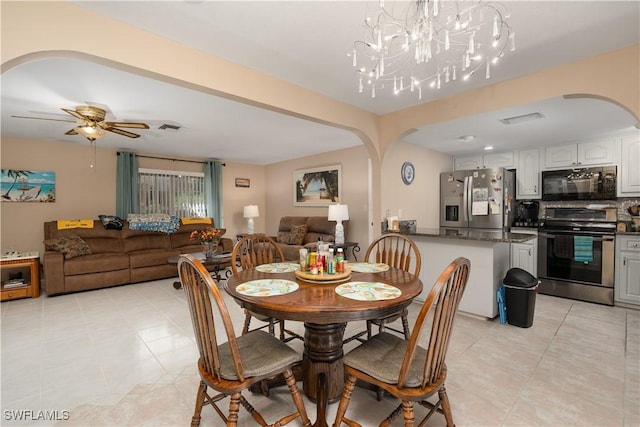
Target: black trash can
520,297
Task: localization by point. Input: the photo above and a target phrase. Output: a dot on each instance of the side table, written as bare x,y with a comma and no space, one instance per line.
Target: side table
25,267
355,247
215,265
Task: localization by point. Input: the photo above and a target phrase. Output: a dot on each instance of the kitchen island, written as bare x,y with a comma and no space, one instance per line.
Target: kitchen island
488,252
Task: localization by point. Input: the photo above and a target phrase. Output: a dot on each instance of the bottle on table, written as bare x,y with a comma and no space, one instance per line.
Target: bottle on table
340,261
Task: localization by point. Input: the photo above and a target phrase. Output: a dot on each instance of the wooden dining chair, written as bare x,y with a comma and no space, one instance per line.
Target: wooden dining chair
404,369
399,251
249,252
229,364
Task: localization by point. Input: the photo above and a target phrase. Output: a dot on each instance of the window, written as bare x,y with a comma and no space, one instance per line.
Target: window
173,193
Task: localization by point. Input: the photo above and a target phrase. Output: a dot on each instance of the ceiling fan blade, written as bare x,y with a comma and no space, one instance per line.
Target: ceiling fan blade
122,132
74,113
131,125
43,118
71,132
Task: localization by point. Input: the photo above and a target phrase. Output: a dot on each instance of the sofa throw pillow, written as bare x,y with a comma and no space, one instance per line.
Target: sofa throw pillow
71,246
283,237
65,224
111,222
196,220
297,234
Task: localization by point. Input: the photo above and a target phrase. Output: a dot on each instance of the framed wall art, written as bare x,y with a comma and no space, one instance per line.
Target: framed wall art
28,186
319,186
243,182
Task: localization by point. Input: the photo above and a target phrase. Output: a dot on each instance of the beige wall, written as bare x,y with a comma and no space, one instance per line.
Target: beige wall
279,192
82,192
420,200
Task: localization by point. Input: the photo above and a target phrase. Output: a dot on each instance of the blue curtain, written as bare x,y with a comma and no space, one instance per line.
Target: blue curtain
126,184
213,191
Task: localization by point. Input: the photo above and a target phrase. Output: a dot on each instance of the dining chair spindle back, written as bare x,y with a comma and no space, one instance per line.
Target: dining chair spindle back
401,367
229,364
251,251
399,251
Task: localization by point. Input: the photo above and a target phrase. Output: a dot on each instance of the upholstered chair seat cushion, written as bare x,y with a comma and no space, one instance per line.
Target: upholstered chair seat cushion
260,354
381,357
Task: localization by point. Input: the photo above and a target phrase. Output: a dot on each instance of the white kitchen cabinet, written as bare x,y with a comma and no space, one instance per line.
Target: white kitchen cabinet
629,172
627,282
583,154
525,255
596,152
528,174
466,163
493,160
499,160
560,156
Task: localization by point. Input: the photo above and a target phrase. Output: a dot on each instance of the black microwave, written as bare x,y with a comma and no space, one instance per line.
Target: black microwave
597,183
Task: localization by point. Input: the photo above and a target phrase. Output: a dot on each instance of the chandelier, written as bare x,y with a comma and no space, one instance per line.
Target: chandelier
429,43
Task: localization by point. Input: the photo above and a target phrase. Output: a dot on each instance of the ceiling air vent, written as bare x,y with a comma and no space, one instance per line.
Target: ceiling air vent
167,126
519,119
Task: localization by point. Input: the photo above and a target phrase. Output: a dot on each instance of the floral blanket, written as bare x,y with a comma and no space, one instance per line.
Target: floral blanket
154,222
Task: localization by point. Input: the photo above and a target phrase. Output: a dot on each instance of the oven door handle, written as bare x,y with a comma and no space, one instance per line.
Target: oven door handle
596,237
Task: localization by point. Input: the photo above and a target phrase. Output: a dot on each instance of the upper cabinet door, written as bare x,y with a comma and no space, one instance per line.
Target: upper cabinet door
499,160
596,152
493,160
528,174
465,163
560,156
629,172
579,155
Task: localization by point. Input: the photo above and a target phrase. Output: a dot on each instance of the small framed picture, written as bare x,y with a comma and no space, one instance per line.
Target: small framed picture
243,182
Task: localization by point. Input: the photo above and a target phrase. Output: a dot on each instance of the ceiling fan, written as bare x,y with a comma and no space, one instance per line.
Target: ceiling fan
91,123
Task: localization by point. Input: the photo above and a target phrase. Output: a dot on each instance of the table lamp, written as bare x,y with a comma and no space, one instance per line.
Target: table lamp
250,212
339,213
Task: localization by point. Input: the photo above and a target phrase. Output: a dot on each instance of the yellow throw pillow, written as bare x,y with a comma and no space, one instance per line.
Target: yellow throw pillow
196,221
65,224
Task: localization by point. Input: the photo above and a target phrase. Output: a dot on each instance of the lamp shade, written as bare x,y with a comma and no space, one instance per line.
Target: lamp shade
338,212
251,211
91,132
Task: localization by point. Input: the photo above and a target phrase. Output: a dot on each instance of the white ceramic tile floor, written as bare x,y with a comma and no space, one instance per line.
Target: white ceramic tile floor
126,356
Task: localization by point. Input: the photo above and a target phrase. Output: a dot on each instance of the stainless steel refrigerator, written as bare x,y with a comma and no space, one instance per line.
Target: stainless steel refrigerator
478,198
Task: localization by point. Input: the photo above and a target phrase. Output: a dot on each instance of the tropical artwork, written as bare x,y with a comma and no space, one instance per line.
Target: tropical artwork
28,186
318,186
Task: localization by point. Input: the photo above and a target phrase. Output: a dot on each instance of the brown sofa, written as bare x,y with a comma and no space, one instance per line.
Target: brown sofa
117,257
316,226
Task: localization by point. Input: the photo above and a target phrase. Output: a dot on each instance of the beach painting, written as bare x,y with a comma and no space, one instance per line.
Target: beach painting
27,186
320,186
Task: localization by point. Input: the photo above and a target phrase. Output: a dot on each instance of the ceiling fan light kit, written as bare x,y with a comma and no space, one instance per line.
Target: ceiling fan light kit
92,125
428,43
90,131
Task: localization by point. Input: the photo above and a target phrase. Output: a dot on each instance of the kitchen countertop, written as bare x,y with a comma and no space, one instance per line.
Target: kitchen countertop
468,234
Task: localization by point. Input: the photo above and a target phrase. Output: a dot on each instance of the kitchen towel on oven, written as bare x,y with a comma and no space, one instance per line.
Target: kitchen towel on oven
583,248
563,246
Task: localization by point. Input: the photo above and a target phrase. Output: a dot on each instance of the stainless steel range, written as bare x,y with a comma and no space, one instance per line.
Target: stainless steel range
576,253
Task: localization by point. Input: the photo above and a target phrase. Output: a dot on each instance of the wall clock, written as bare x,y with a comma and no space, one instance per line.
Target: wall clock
408,172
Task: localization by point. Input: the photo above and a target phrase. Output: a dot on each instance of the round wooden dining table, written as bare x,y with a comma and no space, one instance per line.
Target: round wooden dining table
325,314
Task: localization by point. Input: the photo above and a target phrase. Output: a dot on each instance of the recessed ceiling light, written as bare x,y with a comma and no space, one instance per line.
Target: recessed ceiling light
522,118
488,147
466,138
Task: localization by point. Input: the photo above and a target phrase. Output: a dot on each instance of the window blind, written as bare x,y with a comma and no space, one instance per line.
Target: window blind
173,193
